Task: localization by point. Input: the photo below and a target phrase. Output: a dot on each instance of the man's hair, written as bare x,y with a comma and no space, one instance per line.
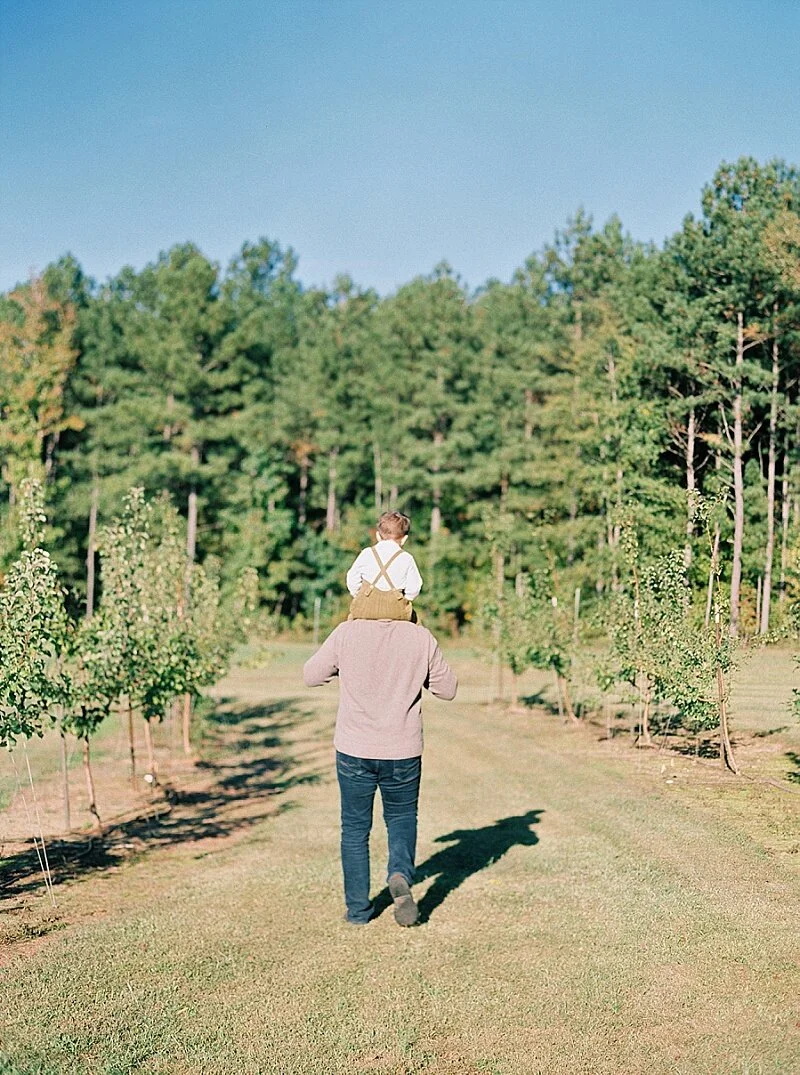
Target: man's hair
393,525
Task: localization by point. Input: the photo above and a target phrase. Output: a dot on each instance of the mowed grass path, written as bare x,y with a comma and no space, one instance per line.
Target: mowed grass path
589,908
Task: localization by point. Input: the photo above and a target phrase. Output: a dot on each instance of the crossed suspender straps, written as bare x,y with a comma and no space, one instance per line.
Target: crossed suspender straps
384,567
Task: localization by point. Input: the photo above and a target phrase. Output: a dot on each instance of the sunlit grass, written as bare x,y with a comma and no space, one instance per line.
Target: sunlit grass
648,925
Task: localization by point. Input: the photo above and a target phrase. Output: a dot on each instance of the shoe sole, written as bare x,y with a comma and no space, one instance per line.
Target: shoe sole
406,912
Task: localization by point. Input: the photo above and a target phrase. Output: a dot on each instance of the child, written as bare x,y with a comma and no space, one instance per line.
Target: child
384,580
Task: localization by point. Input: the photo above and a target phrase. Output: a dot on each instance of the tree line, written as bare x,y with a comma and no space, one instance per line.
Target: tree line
607,377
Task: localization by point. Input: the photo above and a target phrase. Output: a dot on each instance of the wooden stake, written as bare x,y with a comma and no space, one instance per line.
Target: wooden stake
42,856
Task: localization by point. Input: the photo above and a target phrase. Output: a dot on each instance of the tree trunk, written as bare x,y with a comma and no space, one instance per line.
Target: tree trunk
186,723
131,744
563,684
712,574
725,748
559,699
600,582
614,524
378,472
393,492
301,506
514,691
330,511
191,515
65,782
151,754
527,433
573,515
87,769
738,480
167,432
90,550
499,577
647,698
51,443
768,556
691,487
785,513
436,489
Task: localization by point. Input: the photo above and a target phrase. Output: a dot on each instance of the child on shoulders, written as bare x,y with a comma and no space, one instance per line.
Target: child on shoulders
384,579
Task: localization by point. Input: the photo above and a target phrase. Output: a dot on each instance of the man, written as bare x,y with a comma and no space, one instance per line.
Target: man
382,667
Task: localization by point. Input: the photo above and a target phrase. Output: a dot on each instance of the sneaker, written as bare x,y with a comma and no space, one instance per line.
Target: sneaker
355,921
405,910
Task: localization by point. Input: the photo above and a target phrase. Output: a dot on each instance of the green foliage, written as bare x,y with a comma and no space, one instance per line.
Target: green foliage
162,628
659,651
535,630
34,632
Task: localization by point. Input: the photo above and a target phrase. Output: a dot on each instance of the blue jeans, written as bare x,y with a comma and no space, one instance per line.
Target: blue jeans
399,784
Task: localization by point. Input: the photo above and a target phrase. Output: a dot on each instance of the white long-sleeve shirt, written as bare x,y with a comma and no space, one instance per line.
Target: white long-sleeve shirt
403,572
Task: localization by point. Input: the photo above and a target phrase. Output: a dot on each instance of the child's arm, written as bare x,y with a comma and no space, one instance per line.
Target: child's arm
356,573
413,580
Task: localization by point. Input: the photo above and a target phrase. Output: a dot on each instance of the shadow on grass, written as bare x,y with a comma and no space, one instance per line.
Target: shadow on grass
249,770
794,774
695,747
470,851
540,700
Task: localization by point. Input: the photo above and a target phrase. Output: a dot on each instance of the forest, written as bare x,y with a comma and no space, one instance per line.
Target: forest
525,426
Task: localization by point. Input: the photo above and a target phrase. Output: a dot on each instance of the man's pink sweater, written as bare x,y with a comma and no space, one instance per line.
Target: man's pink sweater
382,667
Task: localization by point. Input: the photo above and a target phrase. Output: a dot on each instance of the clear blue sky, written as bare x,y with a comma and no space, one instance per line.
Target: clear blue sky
376,138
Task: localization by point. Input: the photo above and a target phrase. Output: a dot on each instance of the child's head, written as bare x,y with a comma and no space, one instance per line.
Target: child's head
394,526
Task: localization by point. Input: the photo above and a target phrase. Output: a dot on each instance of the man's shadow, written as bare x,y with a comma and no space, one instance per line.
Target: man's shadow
469,851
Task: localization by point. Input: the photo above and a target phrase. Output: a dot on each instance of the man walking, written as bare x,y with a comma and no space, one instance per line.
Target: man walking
382,667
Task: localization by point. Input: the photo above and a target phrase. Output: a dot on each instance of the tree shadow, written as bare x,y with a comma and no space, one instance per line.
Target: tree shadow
250,768
540,700
695,746
470,851
794,774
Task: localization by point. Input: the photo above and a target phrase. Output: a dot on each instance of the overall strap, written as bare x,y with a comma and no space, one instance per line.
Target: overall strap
384,567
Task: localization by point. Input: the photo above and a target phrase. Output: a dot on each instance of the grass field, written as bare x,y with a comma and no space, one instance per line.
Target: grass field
587,906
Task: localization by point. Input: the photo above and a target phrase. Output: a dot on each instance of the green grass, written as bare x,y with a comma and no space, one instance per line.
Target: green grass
645,920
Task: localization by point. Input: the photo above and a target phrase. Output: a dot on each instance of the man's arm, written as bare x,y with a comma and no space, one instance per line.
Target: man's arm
441,679
324,665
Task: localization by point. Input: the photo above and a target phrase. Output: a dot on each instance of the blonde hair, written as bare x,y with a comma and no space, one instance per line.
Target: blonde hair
393,525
